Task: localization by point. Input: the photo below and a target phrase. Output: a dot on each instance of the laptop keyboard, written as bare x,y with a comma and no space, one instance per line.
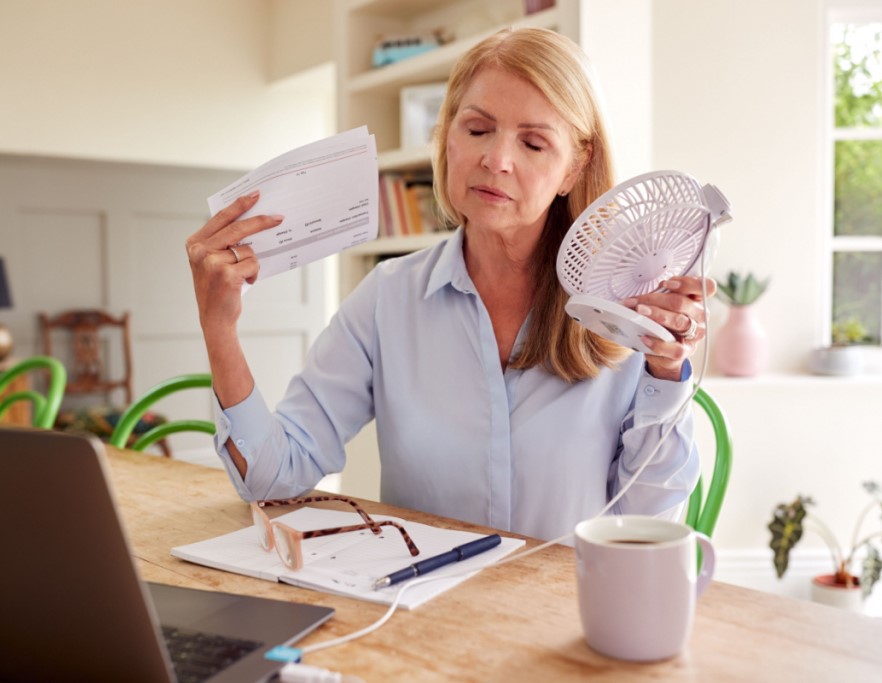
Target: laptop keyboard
198,656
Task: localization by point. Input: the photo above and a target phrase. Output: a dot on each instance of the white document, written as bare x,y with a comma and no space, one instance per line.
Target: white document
327,192
349,563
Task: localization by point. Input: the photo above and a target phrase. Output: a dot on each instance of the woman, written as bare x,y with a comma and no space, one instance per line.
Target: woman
491,405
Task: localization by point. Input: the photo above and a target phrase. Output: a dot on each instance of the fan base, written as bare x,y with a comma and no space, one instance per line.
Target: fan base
615,322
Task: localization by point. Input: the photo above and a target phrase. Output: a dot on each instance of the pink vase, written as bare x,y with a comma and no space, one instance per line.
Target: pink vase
740,348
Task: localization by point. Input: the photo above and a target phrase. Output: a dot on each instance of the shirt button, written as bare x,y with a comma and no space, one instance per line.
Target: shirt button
240,442
649,391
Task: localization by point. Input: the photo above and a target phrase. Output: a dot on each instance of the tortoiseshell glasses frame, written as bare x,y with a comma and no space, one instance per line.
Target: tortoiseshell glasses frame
287,540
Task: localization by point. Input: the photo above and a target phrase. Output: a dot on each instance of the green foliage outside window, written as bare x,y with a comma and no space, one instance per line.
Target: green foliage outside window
857,275
858,188
857,64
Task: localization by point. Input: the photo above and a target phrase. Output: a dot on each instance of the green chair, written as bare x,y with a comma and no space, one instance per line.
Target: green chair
44,407
703,511
134,413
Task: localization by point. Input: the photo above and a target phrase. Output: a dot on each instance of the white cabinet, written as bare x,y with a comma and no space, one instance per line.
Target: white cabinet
371,96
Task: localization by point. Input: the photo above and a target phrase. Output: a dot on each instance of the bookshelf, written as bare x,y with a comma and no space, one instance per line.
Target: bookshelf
371,96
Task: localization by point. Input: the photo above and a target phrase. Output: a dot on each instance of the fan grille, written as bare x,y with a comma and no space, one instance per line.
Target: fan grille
634,236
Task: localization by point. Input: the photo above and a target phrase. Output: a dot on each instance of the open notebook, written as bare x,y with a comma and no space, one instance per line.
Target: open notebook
349,563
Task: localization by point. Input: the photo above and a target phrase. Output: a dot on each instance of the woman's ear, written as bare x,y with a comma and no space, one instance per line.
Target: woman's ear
579,165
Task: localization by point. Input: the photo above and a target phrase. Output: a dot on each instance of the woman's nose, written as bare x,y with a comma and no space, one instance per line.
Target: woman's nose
497,156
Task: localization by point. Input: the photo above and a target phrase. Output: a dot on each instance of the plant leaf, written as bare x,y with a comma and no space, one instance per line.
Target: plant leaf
740,290
872,570
786,528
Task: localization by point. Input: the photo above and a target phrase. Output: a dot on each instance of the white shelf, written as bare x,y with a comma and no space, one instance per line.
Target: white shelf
436,64
399,245
806,379
401,8
405,159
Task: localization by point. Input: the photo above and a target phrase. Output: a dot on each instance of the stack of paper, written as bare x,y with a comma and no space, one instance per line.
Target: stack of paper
349,563
327,192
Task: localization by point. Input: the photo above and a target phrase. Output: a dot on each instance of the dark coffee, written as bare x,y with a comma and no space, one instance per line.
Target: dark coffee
632,541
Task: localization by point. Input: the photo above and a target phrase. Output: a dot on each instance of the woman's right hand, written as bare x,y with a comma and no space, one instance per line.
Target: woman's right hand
218,275
220,265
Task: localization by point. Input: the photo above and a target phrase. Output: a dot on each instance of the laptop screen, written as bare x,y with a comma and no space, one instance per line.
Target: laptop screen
73,604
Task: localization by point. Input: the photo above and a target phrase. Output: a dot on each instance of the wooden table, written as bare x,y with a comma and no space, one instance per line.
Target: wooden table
518,622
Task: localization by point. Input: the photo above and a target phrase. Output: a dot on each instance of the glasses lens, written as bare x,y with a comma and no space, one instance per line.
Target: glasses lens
285,546
260,525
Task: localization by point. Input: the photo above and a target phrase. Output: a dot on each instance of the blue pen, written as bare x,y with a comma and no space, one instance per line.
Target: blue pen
459,553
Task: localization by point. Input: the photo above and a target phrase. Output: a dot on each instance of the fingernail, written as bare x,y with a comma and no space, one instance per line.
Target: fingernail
253,195
630,301
643,309
672,284
278,218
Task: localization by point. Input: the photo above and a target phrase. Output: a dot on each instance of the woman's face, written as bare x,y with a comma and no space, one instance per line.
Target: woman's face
508,154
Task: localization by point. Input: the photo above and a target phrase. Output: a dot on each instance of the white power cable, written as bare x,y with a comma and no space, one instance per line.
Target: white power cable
301,673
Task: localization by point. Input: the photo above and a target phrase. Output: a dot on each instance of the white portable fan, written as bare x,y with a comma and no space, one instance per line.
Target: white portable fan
631,238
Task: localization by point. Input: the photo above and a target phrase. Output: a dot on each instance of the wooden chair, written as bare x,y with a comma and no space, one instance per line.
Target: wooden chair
88,332
44,406
704,509
95,347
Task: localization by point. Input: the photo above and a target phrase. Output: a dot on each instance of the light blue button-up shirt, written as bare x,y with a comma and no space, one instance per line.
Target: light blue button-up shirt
519,450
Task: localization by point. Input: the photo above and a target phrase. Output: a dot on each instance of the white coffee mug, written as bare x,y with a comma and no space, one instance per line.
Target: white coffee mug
638,580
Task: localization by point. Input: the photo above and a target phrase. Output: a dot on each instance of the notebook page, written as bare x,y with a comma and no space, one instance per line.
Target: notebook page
346,564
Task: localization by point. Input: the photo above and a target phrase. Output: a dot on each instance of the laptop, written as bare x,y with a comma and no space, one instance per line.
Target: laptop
72,606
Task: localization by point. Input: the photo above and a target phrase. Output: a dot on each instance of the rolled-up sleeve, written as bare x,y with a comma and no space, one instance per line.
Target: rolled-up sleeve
289,450
659,427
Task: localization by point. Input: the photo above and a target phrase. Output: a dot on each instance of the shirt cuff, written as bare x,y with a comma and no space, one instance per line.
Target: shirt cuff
660,399
247,424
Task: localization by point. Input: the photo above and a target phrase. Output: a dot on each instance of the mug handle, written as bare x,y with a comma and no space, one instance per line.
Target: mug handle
708,562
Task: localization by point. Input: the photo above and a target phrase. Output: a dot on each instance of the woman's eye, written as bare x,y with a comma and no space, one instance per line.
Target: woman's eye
477,131
532,147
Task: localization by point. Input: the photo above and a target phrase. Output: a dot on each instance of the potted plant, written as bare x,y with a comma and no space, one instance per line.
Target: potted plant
740,348
842,587
741,290
848,331
843,356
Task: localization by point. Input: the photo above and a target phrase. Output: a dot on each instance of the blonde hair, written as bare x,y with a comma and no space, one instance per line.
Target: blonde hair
558,68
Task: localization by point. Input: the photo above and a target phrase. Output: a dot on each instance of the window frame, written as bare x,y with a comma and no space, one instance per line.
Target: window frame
840,11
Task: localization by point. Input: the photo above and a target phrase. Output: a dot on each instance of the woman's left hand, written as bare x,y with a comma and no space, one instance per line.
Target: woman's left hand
681,311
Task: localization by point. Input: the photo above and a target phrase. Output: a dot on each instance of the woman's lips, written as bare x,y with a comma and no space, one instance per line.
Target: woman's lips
490,193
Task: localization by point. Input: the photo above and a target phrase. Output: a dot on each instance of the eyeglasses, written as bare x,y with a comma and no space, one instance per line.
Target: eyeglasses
287,540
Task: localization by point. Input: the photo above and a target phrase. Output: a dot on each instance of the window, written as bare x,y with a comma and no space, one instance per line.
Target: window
856,158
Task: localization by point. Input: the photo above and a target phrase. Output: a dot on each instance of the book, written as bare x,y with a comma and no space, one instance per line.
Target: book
398,190
414,216
387,224
350,563
427,206
394,218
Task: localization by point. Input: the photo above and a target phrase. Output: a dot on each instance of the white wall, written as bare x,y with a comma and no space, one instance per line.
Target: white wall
738,100
194,82
617,36
223,84
738,93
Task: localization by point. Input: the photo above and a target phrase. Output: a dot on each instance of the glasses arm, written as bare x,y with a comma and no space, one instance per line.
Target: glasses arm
411,546
369,522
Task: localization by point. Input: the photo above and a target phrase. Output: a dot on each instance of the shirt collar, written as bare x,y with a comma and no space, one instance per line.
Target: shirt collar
450,267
